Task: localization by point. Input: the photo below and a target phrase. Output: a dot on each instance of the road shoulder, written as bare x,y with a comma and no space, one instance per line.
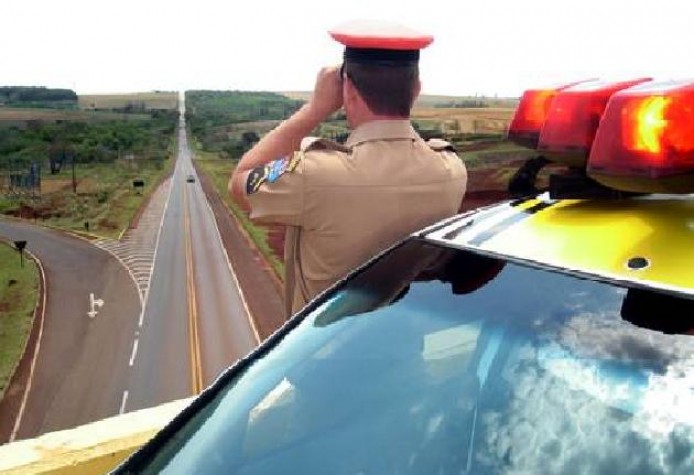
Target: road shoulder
258,282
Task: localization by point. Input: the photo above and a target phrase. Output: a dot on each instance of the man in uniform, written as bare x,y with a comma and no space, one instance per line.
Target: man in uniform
345,203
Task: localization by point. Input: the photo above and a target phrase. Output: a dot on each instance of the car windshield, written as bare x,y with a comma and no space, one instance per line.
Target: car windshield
440,361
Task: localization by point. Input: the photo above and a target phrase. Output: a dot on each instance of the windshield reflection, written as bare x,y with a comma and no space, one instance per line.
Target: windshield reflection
441,361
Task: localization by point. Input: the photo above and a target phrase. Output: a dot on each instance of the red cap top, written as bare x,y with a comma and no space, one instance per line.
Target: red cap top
368,34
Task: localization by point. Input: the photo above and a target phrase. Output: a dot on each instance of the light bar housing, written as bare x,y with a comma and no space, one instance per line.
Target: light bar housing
573,118
645,141
531,113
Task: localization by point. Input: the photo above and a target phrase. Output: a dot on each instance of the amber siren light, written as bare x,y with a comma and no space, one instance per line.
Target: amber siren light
645,142
573,118
531,113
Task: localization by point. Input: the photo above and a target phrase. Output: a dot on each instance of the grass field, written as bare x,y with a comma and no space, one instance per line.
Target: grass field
219,171
18,293
467,120
150,100
105,197
430,100
16,114
484,155
491,119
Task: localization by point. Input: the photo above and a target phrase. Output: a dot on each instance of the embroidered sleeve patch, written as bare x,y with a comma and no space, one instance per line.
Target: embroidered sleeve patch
276,169
256,177
270,172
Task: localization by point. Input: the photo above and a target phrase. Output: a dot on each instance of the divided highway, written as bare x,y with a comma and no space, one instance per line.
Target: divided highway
195,321
154,340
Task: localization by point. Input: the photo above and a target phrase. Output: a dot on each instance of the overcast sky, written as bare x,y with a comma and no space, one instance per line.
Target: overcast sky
483,47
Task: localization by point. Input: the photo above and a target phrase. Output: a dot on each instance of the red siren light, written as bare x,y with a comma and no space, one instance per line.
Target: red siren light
645,142
531,113
573,119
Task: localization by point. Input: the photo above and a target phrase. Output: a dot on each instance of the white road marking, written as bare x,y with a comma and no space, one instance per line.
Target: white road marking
114,254
251,320
156,249
138,260
134,352
30,380
93,303
123,402
135,249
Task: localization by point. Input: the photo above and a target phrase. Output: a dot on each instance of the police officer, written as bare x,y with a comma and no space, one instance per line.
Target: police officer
344,203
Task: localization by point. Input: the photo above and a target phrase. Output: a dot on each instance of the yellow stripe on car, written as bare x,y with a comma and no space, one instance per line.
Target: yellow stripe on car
648,240
604,237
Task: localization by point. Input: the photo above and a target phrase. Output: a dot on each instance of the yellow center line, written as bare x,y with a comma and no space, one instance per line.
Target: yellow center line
193,335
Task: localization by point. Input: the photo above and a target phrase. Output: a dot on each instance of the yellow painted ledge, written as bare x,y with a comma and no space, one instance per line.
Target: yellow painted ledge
93,448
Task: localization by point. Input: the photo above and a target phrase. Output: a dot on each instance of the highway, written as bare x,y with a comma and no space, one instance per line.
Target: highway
79,369
155,339
195,321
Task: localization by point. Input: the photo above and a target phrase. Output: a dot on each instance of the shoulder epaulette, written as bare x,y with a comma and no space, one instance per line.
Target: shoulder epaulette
319,143
440,145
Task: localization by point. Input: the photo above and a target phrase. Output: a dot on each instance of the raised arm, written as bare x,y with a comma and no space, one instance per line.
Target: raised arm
286,138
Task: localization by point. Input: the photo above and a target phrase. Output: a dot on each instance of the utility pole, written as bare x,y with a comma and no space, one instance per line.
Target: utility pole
74,177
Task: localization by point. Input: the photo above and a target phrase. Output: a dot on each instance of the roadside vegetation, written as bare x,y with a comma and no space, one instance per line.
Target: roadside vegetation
105,201
19,288
84,170
225,124
219,171
229,122
21,96
25,117
143,101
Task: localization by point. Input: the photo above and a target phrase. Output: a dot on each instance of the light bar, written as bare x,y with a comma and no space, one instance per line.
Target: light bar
573,119
531,113
645,142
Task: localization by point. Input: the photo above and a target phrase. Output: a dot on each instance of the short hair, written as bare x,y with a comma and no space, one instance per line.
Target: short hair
387,87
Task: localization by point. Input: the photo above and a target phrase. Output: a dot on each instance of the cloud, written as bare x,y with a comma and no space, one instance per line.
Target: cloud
585,405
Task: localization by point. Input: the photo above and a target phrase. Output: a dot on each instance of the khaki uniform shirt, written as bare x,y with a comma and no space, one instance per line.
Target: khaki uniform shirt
344,204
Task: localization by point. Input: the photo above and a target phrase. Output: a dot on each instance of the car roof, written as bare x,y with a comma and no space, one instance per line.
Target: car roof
647,240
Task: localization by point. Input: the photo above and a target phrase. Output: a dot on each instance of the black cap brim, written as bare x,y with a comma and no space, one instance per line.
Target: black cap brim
380,56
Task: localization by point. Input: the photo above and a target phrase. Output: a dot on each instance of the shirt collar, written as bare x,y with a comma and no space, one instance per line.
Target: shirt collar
381,130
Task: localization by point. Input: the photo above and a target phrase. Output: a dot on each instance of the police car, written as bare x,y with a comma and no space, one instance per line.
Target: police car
548,334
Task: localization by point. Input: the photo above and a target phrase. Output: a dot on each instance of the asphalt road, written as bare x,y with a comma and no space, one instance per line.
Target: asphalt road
80,368
195,321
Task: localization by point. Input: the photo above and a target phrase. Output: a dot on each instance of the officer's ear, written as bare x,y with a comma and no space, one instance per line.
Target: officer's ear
349,91
416,90
352,99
